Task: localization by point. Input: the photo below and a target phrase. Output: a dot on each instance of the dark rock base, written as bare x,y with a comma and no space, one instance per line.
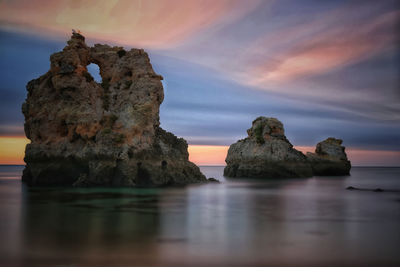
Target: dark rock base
73,172
269,170
330,168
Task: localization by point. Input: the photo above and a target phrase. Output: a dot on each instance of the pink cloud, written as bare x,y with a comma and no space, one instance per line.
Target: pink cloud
160,23
323,51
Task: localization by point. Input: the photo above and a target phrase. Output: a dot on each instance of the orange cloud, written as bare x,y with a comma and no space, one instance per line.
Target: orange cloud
12,149
156,23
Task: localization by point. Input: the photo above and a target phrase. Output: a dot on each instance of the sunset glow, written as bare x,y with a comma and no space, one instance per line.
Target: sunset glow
360,157
323,68
12,150
199,133
159,23
208,155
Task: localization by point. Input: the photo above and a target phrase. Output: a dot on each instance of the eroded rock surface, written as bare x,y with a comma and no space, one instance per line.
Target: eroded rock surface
89,134
266,153
329,158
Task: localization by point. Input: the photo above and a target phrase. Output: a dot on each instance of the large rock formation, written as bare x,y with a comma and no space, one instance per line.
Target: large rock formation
329,158
89,134
266,153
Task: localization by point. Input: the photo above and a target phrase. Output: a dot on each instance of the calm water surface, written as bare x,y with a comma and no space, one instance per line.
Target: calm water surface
292,222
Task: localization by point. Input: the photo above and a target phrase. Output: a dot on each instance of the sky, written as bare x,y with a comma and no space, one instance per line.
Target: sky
324,68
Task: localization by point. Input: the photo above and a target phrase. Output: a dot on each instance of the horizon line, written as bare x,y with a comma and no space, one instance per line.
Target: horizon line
356,166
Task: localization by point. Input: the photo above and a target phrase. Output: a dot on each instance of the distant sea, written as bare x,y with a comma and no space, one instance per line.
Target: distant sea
239,222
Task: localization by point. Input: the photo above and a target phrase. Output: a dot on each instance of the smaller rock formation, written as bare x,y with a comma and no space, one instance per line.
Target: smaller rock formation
329,158
266,153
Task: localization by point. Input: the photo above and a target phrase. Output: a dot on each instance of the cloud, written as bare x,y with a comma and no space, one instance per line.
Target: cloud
324,69
326,50
341,56
12,130
156,23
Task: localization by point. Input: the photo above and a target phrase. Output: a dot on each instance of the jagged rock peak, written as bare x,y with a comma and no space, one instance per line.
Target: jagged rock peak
263,129
331,147
88,133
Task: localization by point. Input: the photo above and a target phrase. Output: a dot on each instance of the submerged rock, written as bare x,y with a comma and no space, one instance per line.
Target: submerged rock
329,158
266,153
378,190
89,134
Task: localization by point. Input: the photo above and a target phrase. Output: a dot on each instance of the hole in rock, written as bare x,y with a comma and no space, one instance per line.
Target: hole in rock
163,164
94,70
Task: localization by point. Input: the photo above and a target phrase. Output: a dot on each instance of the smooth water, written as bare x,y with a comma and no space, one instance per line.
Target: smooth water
287,222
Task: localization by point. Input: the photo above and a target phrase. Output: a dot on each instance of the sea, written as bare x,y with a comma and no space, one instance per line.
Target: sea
237,222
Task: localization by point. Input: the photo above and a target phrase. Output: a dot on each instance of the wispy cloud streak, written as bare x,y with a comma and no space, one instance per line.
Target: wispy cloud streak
335,47
156,23
324,68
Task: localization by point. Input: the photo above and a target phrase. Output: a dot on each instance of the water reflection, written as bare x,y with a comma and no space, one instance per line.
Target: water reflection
80,223
235,223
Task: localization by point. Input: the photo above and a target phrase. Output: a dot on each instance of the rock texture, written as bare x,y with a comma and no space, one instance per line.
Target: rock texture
329,158
266,153
89,134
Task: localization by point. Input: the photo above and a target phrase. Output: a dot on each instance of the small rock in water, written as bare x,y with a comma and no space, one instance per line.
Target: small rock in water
350,188
329,158
378,190
213,180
